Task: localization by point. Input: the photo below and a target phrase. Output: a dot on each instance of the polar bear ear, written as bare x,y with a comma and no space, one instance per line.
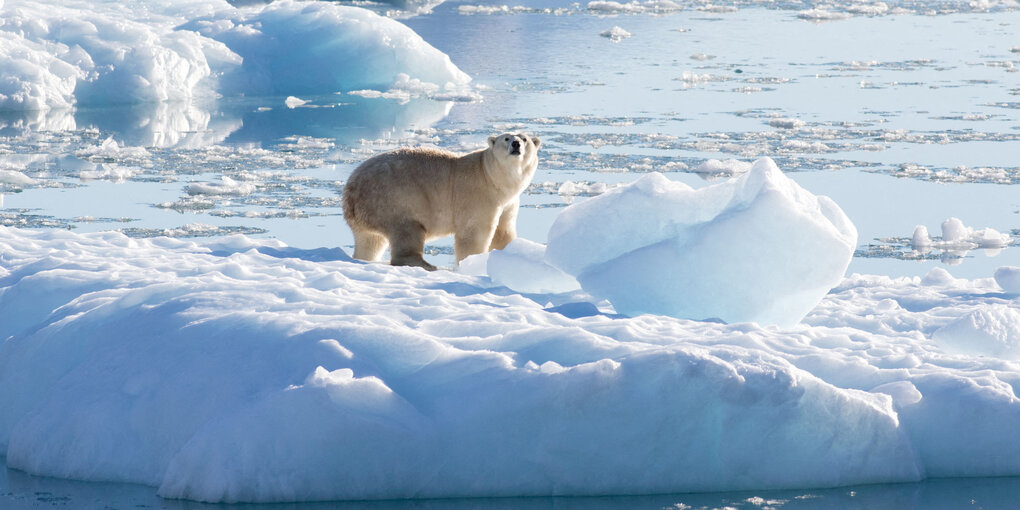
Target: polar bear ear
535,140
492,140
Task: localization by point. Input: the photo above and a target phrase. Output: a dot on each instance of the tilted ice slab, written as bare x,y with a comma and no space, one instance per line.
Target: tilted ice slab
63,54
755,248
243,370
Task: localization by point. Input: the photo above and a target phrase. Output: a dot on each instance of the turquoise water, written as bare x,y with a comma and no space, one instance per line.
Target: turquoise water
19,491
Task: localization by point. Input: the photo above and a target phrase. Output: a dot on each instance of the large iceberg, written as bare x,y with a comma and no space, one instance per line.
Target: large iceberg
76,53
757,248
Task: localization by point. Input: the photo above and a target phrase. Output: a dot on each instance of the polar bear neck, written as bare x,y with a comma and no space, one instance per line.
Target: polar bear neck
511,175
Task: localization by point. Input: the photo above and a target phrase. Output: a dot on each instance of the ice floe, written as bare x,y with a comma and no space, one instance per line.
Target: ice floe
244,370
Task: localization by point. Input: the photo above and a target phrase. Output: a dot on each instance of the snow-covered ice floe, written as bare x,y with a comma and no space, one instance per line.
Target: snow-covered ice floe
113,52
755,248
244,370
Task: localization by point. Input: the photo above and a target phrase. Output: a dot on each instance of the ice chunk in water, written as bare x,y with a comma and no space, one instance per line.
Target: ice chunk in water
754,248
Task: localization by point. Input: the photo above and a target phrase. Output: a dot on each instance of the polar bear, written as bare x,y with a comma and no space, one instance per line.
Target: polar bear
411,195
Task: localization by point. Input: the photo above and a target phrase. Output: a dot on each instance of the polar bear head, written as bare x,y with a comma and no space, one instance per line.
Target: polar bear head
515,146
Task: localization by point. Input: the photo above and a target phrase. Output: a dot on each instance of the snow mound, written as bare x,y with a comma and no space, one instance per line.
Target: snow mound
1008,277
244,370
993,331
100,53
755,248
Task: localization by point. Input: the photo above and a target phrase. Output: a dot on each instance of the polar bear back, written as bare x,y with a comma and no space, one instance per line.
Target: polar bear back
428,185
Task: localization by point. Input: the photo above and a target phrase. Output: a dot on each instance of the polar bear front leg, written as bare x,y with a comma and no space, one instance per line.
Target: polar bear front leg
474,238
506,228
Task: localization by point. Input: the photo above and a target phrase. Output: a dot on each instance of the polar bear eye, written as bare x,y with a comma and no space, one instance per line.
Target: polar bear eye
507,139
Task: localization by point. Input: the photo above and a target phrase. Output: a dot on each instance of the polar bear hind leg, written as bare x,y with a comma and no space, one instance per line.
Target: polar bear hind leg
407,245
368,245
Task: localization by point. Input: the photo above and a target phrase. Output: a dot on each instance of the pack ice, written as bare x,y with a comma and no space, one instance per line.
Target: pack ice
757,248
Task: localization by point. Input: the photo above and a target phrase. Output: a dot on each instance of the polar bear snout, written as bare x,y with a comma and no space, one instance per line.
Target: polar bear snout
515,144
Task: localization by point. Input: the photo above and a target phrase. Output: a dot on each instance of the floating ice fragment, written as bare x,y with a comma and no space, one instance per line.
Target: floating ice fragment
615,34
634,7
954,231
875,9
755,248
822,15
1008,277
405,88
957,235
786,123
716,8
714,168
110,172
15,177
293,102
227,186
920,238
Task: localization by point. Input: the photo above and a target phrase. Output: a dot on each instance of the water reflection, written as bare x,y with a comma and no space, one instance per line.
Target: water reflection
344,119
262,121
20,491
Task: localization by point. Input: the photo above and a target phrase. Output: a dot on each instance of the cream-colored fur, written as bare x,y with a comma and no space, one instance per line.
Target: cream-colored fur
408,196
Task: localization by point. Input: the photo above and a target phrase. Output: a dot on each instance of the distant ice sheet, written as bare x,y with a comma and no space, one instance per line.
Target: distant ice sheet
244,370
64,54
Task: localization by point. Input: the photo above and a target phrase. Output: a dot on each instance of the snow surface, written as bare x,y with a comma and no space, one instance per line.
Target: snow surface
112,52
244,370
755,248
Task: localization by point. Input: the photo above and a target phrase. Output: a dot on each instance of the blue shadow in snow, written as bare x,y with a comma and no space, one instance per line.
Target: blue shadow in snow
581,309
314,255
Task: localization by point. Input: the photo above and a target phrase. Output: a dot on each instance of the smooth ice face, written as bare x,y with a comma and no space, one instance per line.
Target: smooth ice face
522,267
756,248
